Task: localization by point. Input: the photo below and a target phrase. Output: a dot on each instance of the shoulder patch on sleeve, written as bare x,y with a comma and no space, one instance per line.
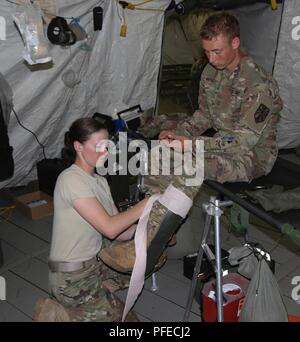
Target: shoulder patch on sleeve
257,112
261,113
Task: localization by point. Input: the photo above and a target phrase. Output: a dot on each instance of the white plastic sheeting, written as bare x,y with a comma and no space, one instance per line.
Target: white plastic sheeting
115,74
287,73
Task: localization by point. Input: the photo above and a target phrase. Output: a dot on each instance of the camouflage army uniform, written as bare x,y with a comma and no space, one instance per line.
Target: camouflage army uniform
87,295
243,106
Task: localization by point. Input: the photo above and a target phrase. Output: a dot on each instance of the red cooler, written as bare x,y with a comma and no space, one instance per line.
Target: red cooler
235,288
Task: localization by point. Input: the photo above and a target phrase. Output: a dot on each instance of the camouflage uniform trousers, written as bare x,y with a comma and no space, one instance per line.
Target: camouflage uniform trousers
216,168
88,294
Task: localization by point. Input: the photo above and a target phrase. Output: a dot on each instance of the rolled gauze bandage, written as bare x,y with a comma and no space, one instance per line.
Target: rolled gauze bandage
177,202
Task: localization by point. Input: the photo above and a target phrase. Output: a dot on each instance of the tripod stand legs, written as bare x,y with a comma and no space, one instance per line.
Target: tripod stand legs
212,209
219,272
196,270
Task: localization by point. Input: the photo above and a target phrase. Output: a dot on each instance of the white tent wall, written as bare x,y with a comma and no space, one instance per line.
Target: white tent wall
287,73
117,72
259,32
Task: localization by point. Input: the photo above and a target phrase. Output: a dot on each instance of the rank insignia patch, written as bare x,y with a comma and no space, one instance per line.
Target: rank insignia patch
261,113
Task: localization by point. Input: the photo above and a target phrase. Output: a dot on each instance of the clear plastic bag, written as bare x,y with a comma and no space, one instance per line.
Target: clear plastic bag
28,18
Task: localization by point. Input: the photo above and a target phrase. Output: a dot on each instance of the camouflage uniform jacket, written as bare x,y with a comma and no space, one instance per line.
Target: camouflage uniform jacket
243,106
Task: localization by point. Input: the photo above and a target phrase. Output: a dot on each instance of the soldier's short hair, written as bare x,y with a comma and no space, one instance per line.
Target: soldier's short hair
220,23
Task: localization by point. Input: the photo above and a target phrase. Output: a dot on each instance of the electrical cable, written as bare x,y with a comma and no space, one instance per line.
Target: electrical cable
131,6
19,122
278,37
81,66
128,5
12,2
3,210
43,147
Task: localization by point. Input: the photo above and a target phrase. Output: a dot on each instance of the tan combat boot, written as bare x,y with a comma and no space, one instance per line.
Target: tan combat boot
120,255
124,252
48,310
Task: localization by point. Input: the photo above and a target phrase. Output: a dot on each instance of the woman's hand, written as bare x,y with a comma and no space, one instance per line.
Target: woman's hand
169,135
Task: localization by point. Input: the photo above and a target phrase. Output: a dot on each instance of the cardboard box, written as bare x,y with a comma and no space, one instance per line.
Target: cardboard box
35,205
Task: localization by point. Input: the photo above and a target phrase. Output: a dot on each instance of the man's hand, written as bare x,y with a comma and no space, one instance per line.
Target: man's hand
178,142
166,135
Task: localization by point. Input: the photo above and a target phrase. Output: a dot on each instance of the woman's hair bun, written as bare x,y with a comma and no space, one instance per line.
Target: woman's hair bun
68,142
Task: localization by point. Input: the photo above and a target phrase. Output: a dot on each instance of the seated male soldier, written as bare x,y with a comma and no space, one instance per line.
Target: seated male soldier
241,102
